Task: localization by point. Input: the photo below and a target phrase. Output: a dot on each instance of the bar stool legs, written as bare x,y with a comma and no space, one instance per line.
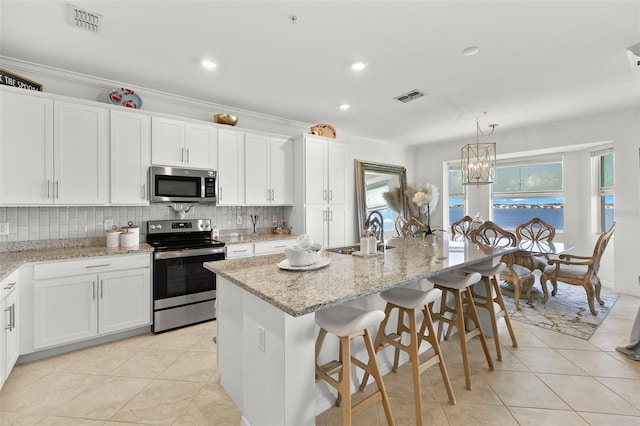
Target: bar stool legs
493,296
459,286
348,323
407,301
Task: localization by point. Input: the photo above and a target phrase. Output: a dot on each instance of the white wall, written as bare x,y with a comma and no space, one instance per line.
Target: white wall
574,138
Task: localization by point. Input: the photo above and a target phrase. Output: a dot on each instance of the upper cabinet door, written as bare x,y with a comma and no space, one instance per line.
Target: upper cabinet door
258,188
201,146
230,168
281,167
167,147
130,157
81,154
316,191
26,149
337,173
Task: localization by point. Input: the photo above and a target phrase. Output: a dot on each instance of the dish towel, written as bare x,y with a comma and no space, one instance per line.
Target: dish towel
632,350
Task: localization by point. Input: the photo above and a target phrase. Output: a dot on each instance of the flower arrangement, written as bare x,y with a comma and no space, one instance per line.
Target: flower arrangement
423,199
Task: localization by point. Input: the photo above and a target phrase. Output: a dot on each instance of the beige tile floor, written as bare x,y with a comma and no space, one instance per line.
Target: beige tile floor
171,379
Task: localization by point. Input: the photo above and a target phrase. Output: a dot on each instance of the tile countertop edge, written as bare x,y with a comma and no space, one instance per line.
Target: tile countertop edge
11,261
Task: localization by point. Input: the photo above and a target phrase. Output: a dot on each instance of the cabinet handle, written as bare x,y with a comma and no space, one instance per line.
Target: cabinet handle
239,251
324,194
324,215
268,194
10,286
93,286
101,289
144,191
13,316
48,188
98,266
331,215
182,155
330,194
8,327
188,156
57,188
282,246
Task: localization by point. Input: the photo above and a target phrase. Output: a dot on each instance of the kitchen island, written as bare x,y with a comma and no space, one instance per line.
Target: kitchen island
266,321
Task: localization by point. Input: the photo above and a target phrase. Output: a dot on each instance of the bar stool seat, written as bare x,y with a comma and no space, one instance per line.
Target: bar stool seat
347,323
459,285
492,300
408,301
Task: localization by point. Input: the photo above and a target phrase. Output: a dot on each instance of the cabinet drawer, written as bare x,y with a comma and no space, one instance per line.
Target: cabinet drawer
239,250
269,247
98,264
8,284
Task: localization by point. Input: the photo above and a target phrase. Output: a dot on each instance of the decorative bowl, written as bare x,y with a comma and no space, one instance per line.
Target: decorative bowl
303,256
229,119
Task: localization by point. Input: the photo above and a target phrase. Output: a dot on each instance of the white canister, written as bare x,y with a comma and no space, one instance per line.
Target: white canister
113,237
132,228
128,239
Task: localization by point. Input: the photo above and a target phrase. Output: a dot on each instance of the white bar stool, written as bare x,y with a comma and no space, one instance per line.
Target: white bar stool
408,301
346,323
492,300
459,285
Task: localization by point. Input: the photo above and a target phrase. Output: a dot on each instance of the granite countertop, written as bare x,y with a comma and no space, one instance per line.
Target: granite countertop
12,260
347,277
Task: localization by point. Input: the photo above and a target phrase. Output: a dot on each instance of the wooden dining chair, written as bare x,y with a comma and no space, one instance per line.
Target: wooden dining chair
578,270
412,227
537,230
398,224
461,229
489,236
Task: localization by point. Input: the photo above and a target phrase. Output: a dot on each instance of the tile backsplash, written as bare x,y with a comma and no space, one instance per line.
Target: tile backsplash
51,223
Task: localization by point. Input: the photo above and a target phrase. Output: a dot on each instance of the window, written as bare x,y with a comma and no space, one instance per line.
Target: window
528,189
604,163
456,196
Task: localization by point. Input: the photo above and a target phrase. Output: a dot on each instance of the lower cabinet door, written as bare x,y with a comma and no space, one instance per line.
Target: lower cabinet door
124,300
65,310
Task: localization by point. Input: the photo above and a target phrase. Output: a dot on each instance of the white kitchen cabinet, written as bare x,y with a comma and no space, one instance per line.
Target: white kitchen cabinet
52,152
182,143
26,149
239,250
325,168
269,170
113,294
9,324
231,176
130,157
326,224
273,246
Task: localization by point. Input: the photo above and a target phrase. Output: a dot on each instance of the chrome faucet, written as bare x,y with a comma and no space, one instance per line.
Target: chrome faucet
375,222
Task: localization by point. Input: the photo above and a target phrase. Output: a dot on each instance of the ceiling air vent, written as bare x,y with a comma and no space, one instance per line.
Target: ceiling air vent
84,19
410,96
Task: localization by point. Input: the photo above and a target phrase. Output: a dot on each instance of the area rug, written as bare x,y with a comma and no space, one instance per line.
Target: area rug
567,312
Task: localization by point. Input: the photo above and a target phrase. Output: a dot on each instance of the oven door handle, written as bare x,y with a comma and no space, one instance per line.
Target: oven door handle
172,254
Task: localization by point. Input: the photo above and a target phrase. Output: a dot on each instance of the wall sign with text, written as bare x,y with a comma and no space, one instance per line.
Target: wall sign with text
10,79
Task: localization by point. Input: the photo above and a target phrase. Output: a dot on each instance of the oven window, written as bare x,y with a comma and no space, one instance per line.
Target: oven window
182,276
177,186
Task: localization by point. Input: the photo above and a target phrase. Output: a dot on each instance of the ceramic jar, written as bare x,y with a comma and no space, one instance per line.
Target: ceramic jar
113,237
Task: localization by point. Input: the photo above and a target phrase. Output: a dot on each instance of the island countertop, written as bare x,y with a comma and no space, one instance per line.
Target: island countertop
347,278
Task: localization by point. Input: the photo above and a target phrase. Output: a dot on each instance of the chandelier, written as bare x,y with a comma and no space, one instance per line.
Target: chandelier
479,160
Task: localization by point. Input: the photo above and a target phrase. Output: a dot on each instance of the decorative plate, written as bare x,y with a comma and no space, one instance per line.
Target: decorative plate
324,261
325,130
125,97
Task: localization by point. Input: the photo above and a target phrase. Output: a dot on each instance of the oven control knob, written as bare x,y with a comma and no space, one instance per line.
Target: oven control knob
158,226
152,227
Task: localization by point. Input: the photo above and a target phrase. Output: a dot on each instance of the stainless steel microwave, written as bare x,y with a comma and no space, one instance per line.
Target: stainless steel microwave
179,184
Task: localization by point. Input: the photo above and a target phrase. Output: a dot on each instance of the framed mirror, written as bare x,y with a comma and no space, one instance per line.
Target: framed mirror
381,187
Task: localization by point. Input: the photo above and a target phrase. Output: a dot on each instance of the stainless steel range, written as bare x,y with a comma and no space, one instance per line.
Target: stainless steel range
184,292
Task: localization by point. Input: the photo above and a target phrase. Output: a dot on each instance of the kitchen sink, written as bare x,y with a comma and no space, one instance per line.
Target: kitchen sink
348,250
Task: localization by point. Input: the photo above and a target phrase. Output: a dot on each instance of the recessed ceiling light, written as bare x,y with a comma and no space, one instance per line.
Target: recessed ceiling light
470,51
208,64
358,66
344,106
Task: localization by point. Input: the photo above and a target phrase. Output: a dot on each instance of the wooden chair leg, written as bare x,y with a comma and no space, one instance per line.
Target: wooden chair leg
344,391
473,314
598,288
588,287
492,315
463,339
433,340
377,345
414,345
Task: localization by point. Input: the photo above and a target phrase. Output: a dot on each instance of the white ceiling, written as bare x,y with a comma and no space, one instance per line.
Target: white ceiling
538,61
